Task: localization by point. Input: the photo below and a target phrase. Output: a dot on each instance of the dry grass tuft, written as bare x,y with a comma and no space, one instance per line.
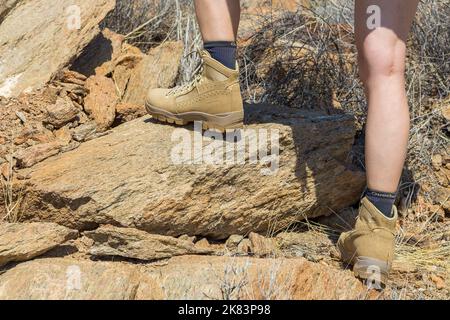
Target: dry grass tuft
12,198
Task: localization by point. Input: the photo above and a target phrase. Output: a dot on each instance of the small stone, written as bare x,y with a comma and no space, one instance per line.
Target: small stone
233,241
438,281
21,116
34,154
128,111
244,247
34,132
404,267
101,101
71,146
4,151
186,237
446,235
446,112
261,246
203,244
62,112
123,69
436,161
158,69
63,135
84,131
5,170
22,176
73,77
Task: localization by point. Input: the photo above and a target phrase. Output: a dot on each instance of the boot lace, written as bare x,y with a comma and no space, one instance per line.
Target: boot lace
198,72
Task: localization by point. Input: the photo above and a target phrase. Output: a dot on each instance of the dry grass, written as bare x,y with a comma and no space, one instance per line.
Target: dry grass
12,197
148,23
425,259
234,279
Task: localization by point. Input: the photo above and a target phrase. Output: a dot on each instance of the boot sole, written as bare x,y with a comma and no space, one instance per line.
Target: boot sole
370,269
221,122
366,268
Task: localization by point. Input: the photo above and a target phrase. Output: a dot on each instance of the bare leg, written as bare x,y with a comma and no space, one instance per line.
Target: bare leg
382,53
218,19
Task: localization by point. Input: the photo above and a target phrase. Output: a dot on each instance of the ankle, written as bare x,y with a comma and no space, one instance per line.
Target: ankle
383,201
222,51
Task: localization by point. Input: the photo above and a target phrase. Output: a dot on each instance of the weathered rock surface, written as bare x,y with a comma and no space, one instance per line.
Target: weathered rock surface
128,178
201,277
6,6
204,244
62,112
158,69
233,242
184,277
244,247
126,112
24,241
262,246
85,131
33,132
101,101
40,37
34,154
137,244
123,66
67,279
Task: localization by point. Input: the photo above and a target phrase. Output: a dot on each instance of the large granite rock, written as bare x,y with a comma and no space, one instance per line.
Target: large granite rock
218,278
184,277
68,279
132,178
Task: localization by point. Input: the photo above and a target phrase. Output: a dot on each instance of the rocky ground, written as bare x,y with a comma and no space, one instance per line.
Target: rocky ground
92,207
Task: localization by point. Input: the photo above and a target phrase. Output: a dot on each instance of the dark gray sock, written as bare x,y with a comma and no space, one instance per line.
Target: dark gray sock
383,201
222,51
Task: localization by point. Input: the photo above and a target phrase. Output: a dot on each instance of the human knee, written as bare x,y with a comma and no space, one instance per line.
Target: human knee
381,54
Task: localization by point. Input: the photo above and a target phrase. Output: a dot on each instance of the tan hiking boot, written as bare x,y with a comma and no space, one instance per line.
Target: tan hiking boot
370,246
213,96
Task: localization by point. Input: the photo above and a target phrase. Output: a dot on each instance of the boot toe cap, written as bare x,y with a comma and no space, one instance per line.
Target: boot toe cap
158,98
